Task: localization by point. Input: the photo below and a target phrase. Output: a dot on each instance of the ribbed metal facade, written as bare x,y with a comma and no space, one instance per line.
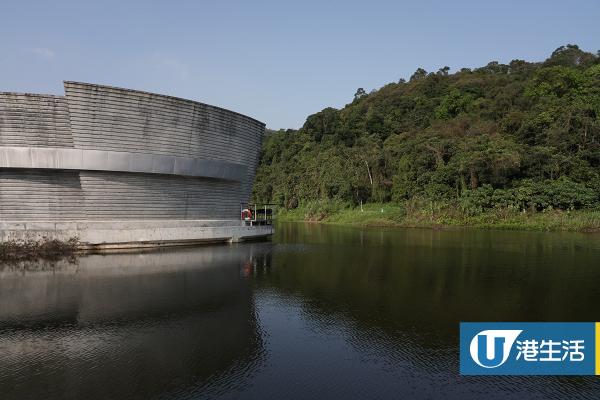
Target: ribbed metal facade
125,123
34,120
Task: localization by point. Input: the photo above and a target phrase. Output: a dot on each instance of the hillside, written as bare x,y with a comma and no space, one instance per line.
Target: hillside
521,136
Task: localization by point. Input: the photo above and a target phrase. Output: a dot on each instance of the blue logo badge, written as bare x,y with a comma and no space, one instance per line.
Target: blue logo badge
527,348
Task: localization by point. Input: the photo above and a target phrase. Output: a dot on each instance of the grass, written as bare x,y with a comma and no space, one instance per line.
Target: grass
422,214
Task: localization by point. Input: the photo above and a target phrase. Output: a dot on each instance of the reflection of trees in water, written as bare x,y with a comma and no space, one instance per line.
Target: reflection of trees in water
131,325
397,296
418,285
420,277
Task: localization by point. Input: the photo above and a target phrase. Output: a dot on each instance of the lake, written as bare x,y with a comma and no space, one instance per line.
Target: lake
318,312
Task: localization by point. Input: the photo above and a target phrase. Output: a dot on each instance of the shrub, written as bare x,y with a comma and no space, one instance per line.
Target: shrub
320,209
563,194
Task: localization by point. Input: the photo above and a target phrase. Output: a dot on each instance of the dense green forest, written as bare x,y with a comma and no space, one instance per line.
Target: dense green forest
522,136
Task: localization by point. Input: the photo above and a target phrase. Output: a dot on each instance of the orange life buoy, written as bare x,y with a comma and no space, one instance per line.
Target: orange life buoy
246,214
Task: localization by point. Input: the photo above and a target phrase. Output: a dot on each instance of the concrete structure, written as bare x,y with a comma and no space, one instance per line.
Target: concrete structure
124,168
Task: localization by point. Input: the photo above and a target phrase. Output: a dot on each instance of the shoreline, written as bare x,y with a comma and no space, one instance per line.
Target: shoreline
391,216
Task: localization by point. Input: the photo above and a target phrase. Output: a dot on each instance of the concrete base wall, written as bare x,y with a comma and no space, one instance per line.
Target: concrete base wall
106,235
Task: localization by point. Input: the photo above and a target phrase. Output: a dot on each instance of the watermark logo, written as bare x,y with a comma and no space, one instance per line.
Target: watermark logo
490,349
529,348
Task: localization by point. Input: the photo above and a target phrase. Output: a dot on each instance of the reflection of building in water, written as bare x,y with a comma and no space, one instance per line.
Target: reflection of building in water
127,325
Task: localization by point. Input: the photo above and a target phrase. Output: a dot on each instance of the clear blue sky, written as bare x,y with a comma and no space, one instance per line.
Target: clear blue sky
277,61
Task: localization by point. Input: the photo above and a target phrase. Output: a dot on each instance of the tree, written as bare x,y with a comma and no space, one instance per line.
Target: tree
325,122
570,56
420,73
525,135
360,92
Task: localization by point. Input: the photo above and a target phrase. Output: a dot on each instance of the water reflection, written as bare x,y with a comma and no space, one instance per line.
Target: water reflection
321,312
128,326
393,299
441,277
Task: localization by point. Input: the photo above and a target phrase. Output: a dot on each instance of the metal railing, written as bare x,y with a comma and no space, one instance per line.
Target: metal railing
257,213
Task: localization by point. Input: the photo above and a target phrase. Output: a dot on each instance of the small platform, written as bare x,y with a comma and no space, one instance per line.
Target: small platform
257,214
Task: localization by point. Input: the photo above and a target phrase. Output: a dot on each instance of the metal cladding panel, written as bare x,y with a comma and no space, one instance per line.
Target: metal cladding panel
109,118
153,135
146,196
34,120
40,195
71,195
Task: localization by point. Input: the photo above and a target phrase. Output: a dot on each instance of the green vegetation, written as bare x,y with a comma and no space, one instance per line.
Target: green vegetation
506,145
417,213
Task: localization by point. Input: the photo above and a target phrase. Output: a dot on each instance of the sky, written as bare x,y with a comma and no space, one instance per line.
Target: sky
276,61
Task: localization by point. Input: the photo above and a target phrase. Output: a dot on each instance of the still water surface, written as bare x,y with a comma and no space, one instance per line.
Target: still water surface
318,312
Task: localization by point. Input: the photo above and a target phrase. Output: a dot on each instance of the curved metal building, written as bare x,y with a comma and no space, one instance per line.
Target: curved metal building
106,158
